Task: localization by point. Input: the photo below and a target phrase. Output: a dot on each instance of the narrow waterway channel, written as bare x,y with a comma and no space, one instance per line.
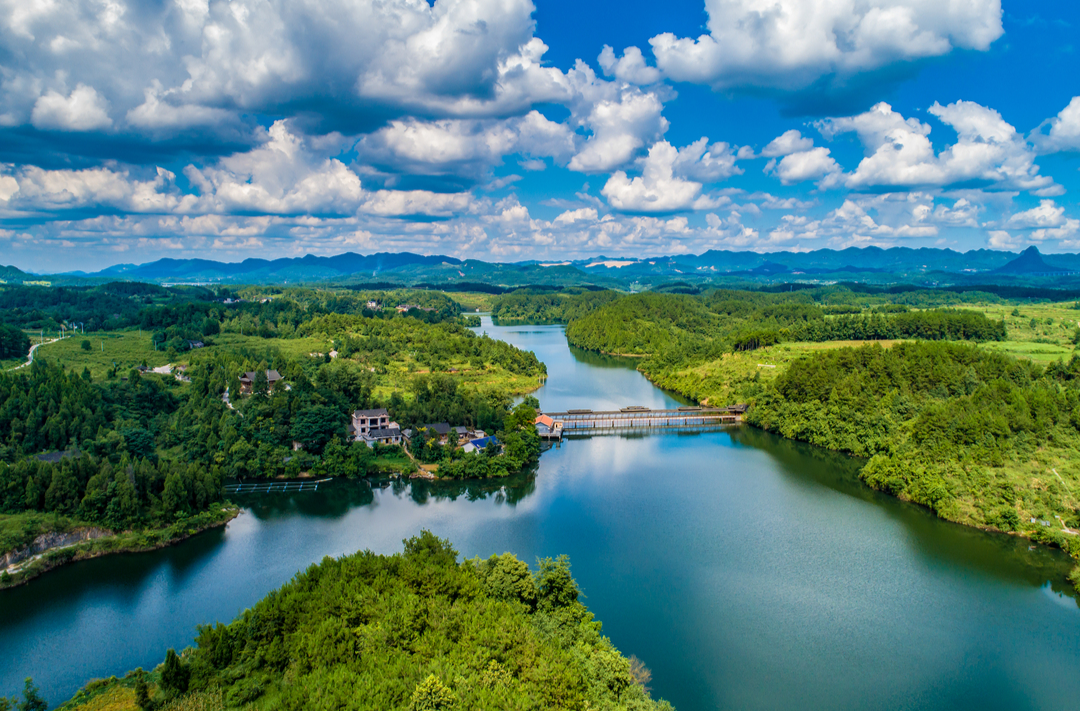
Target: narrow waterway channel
746,571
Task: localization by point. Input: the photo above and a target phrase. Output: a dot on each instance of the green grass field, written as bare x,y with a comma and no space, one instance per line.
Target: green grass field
291,347
725,381
127,349
1040,332
471,301
398,373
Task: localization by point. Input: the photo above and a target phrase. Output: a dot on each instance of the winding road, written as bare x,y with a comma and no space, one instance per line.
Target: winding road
30,355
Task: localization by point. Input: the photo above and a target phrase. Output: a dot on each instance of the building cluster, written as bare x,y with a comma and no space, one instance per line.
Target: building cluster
374,427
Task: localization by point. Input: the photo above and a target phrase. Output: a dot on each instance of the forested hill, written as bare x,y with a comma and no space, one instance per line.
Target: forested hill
417,631
187,312
649,324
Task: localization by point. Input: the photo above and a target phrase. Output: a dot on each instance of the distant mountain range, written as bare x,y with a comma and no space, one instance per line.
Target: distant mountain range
897,265
306,268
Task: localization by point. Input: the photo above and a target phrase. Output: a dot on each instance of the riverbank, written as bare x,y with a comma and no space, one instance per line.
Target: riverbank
916,446
71,541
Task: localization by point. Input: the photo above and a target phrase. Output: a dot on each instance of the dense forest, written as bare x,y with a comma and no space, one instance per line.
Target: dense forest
572,304
131,494
14,343
544,307
180,314
647,324
417,631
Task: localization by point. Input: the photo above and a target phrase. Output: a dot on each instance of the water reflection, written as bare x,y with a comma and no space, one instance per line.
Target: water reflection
948,545
332,500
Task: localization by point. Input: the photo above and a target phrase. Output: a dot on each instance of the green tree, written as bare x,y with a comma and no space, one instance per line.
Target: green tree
32,700
314,426
556,588
85,345
432,695
13,342
142,691
174,496
507,578
174,673
62,496
260,385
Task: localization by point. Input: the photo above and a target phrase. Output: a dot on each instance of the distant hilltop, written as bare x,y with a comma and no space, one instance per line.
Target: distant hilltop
1031,263
923,267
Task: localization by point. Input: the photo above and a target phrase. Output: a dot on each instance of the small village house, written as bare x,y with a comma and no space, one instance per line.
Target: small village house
479,445
365,421
385,435
247,381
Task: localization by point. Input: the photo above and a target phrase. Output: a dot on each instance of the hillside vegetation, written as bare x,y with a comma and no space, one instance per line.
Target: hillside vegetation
531,307
417,631
979,437
650,324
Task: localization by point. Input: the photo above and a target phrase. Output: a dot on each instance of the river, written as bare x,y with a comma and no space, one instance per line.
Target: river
746,571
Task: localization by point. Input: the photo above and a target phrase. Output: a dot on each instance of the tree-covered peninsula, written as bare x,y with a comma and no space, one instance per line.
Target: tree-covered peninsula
417,631
122,439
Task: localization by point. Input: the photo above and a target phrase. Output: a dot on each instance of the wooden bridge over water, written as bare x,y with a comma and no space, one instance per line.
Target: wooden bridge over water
639,418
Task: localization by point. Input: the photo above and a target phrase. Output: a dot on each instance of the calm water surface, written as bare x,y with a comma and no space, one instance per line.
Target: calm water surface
748,572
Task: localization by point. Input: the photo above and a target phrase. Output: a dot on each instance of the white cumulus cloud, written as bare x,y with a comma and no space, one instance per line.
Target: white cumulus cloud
662,185
170,65
804,165
786,143
1047,214
283,176
621,120
465,146
899,152
1062,132
789,44
630,67
83,110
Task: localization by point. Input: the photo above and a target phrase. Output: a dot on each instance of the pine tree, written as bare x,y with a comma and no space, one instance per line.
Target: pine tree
142,692
174,675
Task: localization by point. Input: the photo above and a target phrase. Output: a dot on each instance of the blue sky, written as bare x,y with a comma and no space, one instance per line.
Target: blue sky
504,130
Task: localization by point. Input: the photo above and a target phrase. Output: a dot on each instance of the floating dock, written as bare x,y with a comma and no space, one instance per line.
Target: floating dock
275,487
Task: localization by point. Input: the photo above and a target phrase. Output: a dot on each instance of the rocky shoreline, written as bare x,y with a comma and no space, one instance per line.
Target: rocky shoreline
52,549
